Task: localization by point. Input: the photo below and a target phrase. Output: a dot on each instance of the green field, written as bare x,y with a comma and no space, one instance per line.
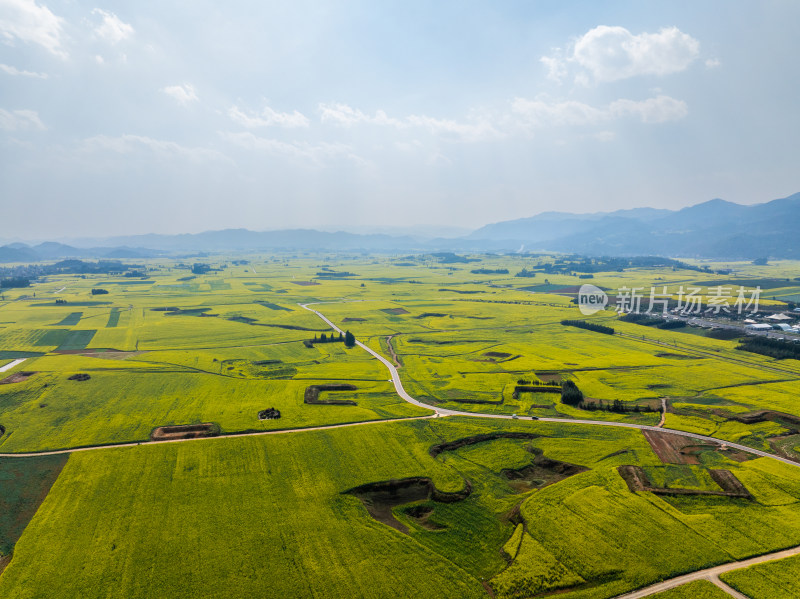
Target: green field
279,515
770,580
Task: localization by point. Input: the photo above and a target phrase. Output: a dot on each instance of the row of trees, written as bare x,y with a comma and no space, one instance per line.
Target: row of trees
774,348
590,326
347,338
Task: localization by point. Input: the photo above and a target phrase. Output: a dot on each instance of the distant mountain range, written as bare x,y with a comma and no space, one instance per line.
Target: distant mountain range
713,229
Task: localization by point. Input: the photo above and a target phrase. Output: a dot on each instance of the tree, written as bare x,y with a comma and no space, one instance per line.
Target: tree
570,394
349,339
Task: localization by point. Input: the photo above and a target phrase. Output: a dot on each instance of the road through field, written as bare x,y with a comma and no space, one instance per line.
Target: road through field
11,365
711,574
398,385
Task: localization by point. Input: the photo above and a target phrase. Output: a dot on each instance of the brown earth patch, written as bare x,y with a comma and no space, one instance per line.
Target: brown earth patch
353,319
637,480
312,392
763,415
395,358
549,377
184,431
542,472
17,377
81,376
675,449
379,498
421,515
497,354
395,311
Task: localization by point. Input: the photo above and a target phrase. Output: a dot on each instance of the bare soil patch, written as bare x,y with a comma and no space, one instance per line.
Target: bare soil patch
17,377
184,431
81,376
549,377
421,515
675,449
763,415
542,472
392,353
497,354
395,311
312,392
730,486
379,498
354,319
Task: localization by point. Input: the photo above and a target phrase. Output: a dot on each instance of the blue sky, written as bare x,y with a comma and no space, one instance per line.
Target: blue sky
168,117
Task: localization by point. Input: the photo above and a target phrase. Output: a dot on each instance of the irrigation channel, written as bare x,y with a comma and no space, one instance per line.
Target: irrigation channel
709,573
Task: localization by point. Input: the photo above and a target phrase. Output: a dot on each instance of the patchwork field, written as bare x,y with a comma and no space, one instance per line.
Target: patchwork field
433,507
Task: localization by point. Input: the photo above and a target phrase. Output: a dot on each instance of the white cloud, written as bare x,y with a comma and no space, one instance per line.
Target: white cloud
9,70
316,154
183,94
476,129
653,110
268,118
17,120
539,113
26,21
346,116
111,28
712,63
128,144
535,114
606,54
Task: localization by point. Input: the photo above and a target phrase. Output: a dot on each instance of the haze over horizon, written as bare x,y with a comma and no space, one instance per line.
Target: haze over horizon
169,118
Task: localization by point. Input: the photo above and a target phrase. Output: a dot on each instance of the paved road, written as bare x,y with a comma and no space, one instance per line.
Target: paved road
225,436
710,574
11,365
398,385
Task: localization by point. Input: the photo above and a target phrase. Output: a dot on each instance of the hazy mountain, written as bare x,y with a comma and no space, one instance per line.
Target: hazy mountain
713,229
50,250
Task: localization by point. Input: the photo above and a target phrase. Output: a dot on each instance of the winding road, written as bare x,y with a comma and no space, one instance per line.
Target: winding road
398,385
711,574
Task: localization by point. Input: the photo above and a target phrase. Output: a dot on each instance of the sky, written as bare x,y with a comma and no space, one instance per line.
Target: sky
141,117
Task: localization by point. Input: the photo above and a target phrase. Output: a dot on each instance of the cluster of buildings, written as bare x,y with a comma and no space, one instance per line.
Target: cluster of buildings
776,322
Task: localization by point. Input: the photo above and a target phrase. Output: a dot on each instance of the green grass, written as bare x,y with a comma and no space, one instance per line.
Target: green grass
267,513
77,340
265,516
113,318
24,483
770,580
699,589
288,526
70,320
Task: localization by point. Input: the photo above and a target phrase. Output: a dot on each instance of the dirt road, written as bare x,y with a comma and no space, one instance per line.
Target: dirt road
710,574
